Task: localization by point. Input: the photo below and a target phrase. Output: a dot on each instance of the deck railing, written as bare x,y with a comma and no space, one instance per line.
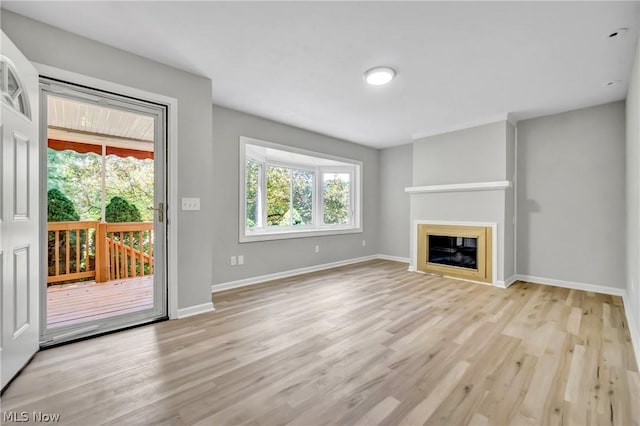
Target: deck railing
71,250
100,251
128,248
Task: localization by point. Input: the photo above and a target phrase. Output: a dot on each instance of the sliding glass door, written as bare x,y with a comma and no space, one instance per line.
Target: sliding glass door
103,224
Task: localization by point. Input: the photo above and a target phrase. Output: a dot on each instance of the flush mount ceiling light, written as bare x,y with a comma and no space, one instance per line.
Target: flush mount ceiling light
379,76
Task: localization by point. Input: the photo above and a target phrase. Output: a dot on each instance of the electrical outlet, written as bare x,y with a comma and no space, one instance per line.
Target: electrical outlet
191,204
241,259
364,243
232,261
317,249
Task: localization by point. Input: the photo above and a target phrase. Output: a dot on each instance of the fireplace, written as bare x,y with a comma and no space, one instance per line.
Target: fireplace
456,251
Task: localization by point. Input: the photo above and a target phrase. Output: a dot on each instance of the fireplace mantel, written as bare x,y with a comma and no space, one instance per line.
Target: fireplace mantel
460,187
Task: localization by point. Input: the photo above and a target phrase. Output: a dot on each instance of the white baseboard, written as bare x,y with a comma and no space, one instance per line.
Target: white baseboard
506,283
595,288
195,310
286,274
394,258
633,329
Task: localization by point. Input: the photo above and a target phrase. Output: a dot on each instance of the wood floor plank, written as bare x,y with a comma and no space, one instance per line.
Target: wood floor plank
363,344
423,411
379,412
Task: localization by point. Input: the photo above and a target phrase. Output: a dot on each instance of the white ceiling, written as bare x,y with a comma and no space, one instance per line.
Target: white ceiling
301,63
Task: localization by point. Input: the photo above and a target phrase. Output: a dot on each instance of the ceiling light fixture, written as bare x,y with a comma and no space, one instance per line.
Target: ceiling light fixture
379,76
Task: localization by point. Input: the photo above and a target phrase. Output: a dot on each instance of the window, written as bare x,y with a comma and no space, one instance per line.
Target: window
12,90
288,193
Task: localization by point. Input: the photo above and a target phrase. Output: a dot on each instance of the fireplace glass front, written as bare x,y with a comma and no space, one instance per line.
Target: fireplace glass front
453,251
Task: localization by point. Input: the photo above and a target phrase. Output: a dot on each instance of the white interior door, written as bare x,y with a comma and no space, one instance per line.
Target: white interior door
19,211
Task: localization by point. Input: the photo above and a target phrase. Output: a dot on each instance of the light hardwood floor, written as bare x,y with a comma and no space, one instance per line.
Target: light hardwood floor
359,345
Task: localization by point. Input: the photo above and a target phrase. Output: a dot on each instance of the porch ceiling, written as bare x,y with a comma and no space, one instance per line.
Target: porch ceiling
75,121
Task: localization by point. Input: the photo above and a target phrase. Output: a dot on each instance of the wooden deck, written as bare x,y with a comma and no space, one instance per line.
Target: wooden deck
80,302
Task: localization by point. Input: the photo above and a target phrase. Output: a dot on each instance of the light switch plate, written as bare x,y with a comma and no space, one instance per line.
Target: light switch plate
191,204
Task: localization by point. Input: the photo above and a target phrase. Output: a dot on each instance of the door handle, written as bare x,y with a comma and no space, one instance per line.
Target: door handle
160,211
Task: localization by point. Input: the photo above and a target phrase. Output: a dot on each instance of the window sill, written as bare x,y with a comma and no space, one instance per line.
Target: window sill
296,234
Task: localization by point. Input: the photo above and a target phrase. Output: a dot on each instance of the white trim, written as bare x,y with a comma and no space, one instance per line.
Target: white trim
172,162
458,187
394,258
466,125
286,274
633,330
289,234
494,248
515,200
351,166
283,147
195,310
507,283
595,288
511,119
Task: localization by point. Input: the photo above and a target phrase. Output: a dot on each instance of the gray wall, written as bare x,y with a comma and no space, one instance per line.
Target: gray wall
571,196
51,46
633,198
265,257
395,176
476,154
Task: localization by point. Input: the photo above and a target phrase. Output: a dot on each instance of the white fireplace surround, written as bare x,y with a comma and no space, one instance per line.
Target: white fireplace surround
498,279
494,245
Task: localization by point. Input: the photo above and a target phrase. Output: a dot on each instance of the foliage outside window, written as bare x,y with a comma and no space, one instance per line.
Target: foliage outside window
290,193
78,177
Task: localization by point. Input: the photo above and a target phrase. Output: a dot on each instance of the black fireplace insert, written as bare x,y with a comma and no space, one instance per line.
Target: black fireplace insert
453,251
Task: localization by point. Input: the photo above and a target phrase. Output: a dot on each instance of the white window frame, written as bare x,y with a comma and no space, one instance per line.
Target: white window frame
318,227
328,170
262,194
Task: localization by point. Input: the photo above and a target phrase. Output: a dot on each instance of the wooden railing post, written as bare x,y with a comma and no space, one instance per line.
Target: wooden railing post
102,254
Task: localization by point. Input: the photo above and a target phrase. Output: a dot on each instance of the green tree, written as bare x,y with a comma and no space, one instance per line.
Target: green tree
289,196
302,197
80,177
336,198
60,208
251,192
120,210
132,179
278,194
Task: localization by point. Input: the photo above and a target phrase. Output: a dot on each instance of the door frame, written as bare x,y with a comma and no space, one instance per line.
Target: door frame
171,165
